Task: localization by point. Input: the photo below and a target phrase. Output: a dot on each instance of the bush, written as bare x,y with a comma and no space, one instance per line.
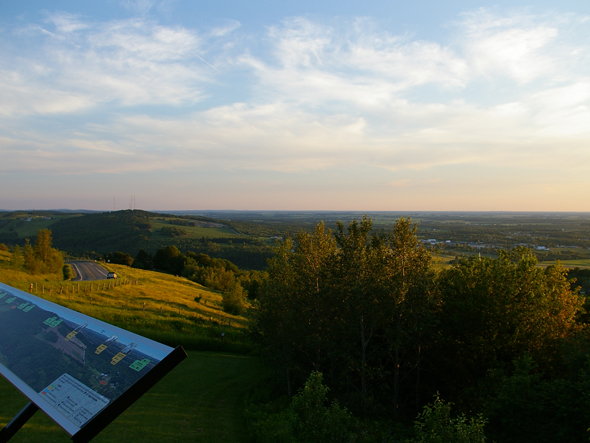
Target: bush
234,299
68,272
435,425
307,419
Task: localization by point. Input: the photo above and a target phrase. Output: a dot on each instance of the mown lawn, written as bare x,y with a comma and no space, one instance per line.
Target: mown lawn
201,400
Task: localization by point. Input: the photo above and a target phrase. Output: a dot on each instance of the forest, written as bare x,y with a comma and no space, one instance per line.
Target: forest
504,341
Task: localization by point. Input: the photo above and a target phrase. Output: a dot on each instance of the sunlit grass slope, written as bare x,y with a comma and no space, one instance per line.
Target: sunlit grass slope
165,308
201,400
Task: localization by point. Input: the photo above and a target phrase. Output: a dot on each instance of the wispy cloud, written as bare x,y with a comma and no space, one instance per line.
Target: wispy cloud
301,97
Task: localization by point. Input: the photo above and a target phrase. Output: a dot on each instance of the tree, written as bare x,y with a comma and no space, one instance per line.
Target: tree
495,310
43,249
355,305
143,260
42,258
120,258
32,265
67,272
169,259
233,300
17,260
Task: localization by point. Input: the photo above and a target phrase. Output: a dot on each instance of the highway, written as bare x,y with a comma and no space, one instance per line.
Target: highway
87,270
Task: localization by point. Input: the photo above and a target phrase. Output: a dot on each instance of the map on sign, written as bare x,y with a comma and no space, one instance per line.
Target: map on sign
70,365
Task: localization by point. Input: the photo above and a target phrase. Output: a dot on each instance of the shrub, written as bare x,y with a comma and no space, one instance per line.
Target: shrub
435,425
67,271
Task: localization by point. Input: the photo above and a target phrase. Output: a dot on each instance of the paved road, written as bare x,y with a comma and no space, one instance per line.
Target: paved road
87,270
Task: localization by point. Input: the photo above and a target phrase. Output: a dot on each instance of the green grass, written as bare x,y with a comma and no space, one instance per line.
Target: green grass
579,263
29,229
193,231
159,306
201,400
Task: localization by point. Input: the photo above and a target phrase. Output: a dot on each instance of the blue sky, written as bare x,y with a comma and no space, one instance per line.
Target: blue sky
308,105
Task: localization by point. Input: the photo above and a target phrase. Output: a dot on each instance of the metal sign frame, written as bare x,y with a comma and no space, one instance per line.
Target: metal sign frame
80,372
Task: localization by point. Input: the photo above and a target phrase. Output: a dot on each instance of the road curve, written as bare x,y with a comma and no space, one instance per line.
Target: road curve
87,270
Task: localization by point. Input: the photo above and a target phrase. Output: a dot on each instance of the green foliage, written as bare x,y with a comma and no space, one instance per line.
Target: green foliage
67,272
17,260
493,311
355,304
436,425
3,247
531,407
307,419
119,258
41,258
169,259
234,299
172,231
103,232
143,260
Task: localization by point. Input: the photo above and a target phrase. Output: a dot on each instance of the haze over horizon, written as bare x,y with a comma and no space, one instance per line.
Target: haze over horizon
429,106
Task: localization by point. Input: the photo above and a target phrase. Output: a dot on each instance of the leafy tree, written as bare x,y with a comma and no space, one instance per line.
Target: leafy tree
17,260
32,265
169,259
356,305
143,260
495,310
172,231
67,272
120,258
43,242
233,300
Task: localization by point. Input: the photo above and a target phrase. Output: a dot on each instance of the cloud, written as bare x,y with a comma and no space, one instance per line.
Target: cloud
311,97
80,65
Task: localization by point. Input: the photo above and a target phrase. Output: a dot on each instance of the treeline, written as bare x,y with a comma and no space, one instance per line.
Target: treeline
245,253
500,337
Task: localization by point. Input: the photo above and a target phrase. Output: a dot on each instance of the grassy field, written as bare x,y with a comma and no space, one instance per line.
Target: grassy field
29,229
581,263
193,231
165,308
201,400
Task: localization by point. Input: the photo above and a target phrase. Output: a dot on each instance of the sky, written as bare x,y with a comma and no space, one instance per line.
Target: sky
311,105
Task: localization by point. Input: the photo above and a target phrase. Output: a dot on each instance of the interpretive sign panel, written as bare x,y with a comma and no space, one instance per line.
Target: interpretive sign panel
80,371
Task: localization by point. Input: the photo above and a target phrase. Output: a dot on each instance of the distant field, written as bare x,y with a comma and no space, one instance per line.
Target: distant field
194,231
29,229
201,400
581,263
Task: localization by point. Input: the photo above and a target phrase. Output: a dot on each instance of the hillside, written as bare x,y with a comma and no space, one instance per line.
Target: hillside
94,234
169,309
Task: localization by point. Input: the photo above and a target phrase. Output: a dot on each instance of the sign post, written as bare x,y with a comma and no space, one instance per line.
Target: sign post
80,371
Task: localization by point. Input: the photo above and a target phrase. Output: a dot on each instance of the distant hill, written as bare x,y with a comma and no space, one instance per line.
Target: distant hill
103,232
94,234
